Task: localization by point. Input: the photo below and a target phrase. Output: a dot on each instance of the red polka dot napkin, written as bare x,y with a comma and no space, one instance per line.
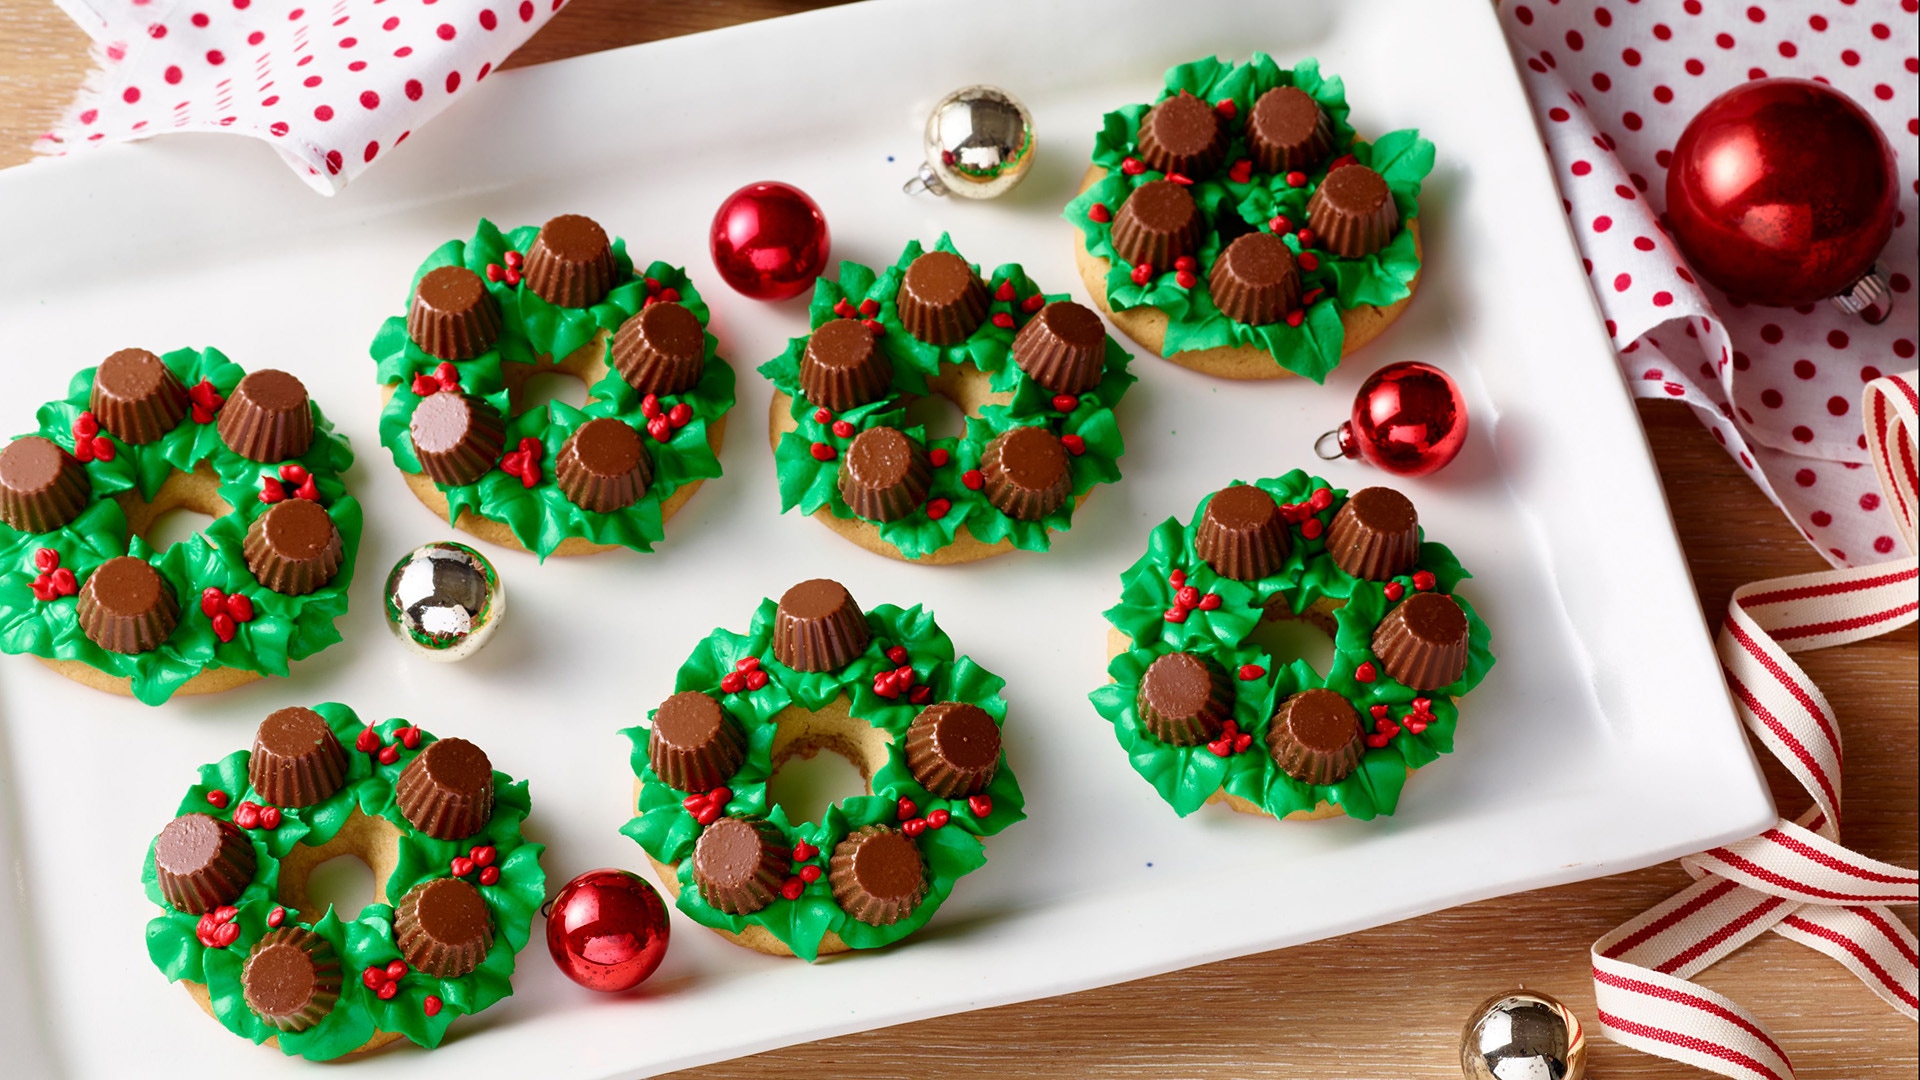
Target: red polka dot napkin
333,85
1613,84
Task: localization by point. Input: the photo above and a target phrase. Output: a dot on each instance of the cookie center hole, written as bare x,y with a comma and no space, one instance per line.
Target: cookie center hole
345,881
550,386
1287,639
173,526
813,779
941,417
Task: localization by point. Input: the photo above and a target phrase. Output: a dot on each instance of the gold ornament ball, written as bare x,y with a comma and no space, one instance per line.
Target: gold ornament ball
1523,1035
979,144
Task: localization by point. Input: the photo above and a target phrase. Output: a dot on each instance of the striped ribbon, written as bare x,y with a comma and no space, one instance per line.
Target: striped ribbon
1794,879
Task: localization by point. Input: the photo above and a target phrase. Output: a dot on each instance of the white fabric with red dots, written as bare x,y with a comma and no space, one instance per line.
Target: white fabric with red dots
333,85
1613,84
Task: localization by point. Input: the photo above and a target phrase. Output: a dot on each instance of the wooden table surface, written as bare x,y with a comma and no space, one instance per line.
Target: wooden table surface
1387,1002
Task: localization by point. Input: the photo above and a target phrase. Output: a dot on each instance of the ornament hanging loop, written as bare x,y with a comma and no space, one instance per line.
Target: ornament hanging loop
1868,298
1335,444
925,180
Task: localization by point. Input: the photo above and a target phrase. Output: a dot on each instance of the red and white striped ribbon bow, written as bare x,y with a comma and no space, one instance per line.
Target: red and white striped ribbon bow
1794,879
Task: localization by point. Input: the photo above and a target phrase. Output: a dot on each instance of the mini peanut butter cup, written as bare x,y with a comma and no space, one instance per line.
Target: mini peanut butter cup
884,475
843,368
447,791
878,875
1063,348
1157,224
1028,474
819,627
443,928
1183,135
137,397
1288,131
1185,699
126,606
1352,212
1255,280
1423,641
1241,533
291,979
453,316
662,350
294,548
739,864
457,438
603,466
268,417
42,487
202,862
1376,535
953,749
695,744
1315,737
296,760
941,300
571,263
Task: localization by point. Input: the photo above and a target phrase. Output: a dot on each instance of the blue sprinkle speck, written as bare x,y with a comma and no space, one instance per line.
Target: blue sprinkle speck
889,158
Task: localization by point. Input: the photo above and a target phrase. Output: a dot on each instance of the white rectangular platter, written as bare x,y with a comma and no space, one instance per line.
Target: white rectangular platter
1602,742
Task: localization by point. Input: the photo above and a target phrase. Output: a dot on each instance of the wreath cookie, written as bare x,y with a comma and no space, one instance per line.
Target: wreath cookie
1238,227
456,885
489,313
1036,375
1204,714
138,436
881,688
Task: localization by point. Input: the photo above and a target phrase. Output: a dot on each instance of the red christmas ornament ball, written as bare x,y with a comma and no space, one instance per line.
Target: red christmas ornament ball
1408,419
769,240
1782,192
607,930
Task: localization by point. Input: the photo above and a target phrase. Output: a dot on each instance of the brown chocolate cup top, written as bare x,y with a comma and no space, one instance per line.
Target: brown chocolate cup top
1241,533
953,749
819,627
878,875
662,350
1375,535
1027,472
1255,280
1352,212
202,862
443,928
695,744
603,466
291,978
296,760
1063,348
1185,699
447,791
268,417
1288,131
842,368
294,548
1423,641
941,300
571,262
739,864
1315,737
884,475
1157,224
453,316
1183,135
126,606
137,397
42,487
457,438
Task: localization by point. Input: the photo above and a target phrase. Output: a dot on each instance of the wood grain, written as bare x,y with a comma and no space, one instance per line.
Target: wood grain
1386,1002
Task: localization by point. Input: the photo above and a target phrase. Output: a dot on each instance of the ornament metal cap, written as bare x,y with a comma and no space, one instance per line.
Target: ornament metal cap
1867,298
979,144
1523,1033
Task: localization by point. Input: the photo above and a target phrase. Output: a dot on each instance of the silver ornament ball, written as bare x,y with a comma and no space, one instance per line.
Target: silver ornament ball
979,144
444,600
1523,1035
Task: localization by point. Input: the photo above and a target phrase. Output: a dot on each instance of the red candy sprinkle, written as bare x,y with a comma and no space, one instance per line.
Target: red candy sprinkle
1132,166
1033,303
792,888
1188,596
733,683
981,805
1181,178
660,428
938,508
1005,292
1423,580
1309,261
756,679
1296,317
387,991
212,600
874,327
217,799
844,309
1003,320
939,456
247,816
822,452
461,866
1175,615
938,818
1395,590
1099,214
1321,499
1365,672
1311,528
1250,672
1226,108
907,808
1241,172
1281,224
223,627
680,415
484,854
1142,273
515,260
493,271
1306,239
389,755
1209,602
490,875
269,817
372,978
1075,444
973,479
1185,279
277,916
915,827
804,851
1065,402
1296,178
46,560
869,307
842,429
822,416
746,663
1178,577
920,695
430,1005
409,736
810,873
1187,263
897,655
